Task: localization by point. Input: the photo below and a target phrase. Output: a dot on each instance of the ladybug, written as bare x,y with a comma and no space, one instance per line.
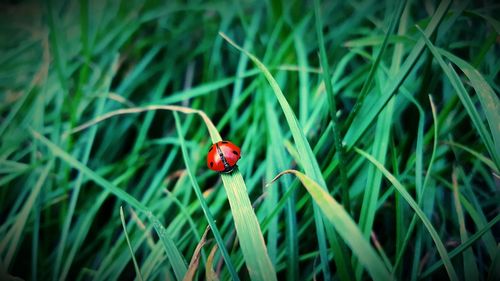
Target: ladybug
222,156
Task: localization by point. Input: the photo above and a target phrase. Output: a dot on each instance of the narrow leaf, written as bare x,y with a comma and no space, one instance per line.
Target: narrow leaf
432,231
136,266
174,256
344,225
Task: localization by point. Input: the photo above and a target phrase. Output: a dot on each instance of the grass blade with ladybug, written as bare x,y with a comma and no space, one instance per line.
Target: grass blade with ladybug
223,156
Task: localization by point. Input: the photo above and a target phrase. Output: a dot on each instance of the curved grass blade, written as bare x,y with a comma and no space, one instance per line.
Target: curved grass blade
493,22
309,162
489,100
467,102
432,231
195,260
247,226
246,223
214,134
426,179
474,153
120,193
210,274
344,225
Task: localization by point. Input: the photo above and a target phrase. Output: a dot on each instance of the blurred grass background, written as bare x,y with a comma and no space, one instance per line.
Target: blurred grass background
389,110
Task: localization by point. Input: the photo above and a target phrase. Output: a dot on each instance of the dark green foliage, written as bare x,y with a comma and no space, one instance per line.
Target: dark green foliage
411,101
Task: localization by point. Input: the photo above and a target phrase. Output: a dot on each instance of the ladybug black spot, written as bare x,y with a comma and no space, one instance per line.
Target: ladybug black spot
224,141
235,152
211,164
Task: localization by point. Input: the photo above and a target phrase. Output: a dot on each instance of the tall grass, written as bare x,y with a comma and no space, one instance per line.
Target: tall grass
386,113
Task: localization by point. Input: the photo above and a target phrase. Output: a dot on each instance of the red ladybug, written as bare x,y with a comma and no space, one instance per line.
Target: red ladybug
222,156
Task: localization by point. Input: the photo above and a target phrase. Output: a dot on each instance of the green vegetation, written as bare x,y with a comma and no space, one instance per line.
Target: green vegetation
369,134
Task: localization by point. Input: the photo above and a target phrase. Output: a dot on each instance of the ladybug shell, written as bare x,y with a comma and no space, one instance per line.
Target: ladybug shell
222,156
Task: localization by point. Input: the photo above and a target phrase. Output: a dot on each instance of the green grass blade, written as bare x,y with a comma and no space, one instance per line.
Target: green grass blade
464,246
85,157
82,230
309,162
470,268
374,178
332,109
246,223
492,21
203,89
297,133
413,221
374,67
370,110
13,112
494,270
468,103
476,154
132,77
204,205
303,77
176,259
382,131
78,63
432,231
55,43
489,100
247,227
344,267
136,266
243,60
120,193
13,237
478,217
280,159
345,226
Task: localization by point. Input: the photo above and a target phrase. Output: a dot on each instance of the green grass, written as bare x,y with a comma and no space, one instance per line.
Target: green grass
386,113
